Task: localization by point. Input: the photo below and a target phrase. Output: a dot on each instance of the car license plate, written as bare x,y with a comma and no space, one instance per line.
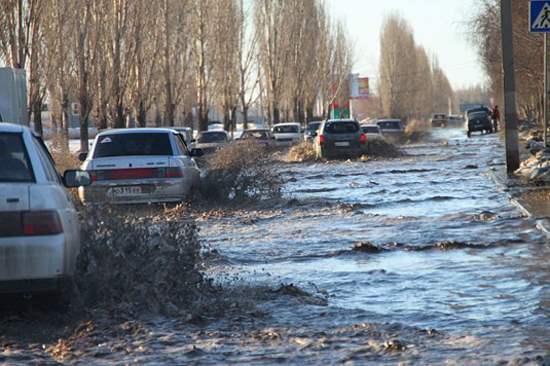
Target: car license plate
123,191
341,143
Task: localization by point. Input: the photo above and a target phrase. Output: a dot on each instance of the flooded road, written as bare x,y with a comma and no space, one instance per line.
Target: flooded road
411,260
448,257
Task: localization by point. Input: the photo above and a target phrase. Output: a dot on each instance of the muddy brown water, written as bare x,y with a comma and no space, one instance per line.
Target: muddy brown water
448,272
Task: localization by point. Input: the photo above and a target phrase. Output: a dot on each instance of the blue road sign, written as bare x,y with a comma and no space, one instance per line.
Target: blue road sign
540,16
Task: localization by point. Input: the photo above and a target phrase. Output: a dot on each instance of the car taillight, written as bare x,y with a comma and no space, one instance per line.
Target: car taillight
175,172
93,175
363,139
41,223
321,140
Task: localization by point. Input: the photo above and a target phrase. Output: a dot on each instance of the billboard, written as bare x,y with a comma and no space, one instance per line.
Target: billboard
359,87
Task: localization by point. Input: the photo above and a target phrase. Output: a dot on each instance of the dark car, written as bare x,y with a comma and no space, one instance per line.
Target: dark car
261,135
439,120
210,141
339,138
478,121
311,131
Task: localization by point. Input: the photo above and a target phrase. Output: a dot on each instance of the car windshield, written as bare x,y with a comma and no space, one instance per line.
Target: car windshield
370,129
255,135
133,144
389,125
14,162
341,127
211,137
286,129
439,116
313,126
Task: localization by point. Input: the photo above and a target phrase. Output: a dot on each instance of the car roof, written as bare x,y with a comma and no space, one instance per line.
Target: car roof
341,120
388,120
10,127
124,131
181,128
312,122
217,131
257,130
287,124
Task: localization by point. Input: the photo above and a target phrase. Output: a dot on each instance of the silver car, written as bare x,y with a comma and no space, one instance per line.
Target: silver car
139,165
39,229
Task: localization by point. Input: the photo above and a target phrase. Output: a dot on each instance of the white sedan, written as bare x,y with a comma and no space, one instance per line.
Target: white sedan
39,229
139,165
287,134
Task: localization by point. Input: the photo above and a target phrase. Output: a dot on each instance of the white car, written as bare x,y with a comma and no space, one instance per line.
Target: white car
139,165
39,229
372,132
287,134
187,136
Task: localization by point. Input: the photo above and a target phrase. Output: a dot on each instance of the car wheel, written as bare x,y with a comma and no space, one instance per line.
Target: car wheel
469,134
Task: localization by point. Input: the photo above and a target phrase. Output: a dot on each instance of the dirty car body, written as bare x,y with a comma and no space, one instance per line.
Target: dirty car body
140,165
339,138
39,228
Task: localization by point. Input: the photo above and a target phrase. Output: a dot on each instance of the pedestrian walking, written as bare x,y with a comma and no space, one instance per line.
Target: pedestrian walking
496,118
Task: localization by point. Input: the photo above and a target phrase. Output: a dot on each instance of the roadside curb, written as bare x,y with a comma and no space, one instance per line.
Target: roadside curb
542,223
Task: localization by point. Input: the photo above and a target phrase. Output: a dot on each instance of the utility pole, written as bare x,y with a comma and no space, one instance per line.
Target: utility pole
545,93
510,109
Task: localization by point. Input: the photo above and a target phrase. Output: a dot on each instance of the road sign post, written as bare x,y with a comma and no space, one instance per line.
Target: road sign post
540,23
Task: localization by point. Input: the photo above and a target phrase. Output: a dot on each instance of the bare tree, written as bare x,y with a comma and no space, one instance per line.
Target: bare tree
247,56
20,47
275,51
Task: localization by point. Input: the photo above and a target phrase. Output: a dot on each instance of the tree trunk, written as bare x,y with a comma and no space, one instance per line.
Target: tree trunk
84,130
119,115
245,118
37,114
141,114
276,115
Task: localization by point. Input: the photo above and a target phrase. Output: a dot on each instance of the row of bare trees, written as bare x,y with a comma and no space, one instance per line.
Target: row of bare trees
172,61
412,84
485,33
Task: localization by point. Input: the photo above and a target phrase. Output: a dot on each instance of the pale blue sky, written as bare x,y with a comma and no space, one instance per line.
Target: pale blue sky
439,26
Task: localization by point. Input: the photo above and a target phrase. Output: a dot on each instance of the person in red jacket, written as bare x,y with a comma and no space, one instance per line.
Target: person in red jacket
496,118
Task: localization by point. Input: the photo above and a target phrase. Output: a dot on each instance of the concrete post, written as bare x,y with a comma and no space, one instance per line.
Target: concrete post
510,114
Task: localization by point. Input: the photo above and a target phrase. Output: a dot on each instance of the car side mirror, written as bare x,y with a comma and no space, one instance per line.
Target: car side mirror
82,156
76,178
196,152
193,140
